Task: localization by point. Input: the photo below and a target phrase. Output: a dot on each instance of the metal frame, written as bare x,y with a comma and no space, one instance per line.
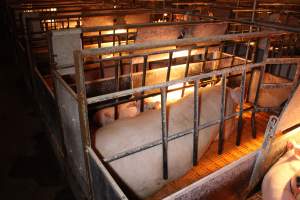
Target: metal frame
243,68
83,102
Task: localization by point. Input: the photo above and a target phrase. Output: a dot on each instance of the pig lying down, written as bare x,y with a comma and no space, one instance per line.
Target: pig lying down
142,172
276,184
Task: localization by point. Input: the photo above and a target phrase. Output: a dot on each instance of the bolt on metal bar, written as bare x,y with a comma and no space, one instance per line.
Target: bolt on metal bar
164,131
187,66
222,117
196,122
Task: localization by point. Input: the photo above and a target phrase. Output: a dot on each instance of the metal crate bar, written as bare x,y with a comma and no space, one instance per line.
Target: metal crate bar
223,107
240,120
165,134
196,122
187,66
145,65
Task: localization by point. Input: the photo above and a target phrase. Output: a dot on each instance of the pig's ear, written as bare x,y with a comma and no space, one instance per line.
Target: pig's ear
235,94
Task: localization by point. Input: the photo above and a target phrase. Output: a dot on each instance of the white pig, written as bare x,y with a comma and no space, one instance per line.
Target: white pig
276,183
142,172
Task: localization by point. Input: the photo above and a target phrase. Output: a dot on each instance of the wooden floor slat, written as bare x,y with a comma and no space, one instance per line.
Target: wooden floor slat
211,161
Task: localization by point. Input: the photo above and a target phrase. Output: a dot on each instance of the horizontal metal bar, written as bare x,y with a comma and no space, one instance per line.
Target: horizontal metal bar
132,26
293,60
273,109
276,85
165,51
251,10
95,13
178,42
282,27
166,84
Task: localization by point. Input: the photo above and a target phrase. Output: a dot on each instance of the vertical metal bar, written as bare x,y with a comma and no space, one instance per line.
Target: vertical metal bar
233,54
222,117
81,93
219,56
83,112
217,66
243,88
127,32
102,75
237,6
240,120
187,66
288,72
131,75
119,40
114,39
204,59
196,123
144,81
254,50
253,13
260,81
121,66
164,131
117,85
169,66
297,74
99,40
279,66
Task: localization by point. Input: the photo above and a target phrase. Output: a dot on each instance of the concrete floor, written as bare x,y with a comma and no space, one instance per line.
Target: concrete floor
28,169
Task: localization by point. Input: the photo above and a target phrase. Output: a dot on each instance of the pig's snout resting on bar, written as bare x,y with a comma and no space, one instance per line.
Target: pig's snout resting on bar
278,184
142,172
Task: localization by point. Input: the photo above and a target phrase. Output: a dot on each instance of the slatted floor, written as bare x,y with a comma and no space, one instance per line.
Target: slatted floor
211,161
